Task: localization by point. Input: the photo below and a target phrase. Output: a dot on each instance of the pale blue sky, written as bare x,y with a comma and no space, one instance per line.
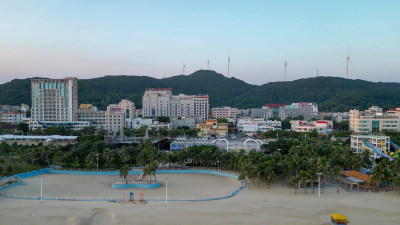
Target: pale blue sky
93,38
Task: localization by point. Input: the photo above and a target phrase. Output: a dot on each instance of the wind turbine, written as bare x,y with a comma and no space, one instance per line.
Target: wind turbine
183,68
285,66
229,62
347,63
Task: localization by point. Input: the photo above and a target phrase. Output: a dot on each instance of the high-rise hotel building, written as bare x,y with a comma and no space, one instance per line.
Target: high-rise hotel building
55,102
160,102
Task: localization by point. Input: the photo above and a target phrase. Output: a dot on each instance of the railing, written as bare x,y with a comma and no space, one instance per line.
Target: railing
167,170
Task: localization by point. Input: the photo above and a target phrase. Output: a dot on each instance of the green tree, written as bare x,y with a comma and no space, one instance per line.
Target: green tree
124,172
335,173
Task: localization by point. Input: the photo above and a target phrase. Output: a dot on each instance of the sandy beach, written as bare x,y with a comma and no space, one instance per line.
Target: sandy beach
277,205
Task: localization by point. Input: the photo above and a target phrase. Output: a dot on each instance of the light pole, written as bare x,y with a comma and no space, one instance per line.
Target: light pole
218,165
97,161
319,185
41,189
166,191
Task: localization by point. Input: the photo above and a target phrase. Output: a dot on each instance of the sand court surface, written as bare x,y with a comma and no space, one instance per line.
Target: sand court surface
185,186
277,205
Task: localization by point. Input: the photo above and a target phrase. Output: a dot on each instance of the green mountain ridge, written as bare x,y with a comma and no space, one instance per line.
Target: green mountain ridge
330,93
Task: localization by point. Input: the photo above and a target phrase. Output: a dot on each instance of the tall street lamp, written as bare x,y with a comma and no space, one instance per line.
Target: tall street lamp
41,188
166,191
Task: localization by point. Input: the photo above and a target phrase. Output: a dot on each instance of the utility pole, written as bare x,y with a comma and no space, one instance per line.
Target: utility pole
41,188
229,62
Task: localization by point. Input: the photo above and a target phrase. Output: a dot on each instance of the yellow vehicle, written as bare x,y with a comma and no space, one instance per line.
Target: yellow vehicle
339,219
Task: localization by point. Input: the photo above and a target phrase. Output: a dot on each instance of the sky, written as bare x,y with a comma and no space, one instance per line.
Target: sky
93,38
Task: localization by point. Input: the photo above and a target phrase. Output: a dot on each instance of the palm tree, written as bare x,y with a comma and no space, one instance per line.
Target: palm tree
90,160
335,173
147,171
294,182
124,172
268,173
124,156
107,154
304,178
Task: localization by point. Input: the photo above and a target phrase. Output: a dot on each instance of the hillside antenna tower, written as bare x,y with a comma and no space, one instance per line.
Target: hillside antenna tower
208,64
229,62
183,68
347,63
284,67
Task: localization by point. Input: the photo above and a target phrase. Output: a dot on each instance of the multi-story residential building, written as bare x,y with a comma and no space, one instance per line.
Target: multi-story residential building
323,127
14,108
156,102
88,112
137,123
4,108
186,122
259,112
161,102
211,128
250,126
13,118
55,102
372,121
114,118
394,112
282,111
244,112
128,107
224,112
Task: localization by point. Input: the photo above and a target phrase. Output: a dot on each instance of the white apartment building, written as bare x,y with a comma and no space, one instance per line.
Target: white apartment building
55,102
137,123
282,111
13,118
224,112
372,121
250,126
160,102
323,127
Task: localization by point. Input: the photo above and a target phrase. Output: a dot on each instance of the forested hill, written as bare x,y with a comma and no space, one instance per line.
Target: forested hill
331,93
111,89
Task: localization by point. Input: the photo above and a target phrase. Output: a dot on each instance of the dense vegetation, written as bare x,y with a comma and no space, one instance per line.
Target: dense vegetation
331,93
293,158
